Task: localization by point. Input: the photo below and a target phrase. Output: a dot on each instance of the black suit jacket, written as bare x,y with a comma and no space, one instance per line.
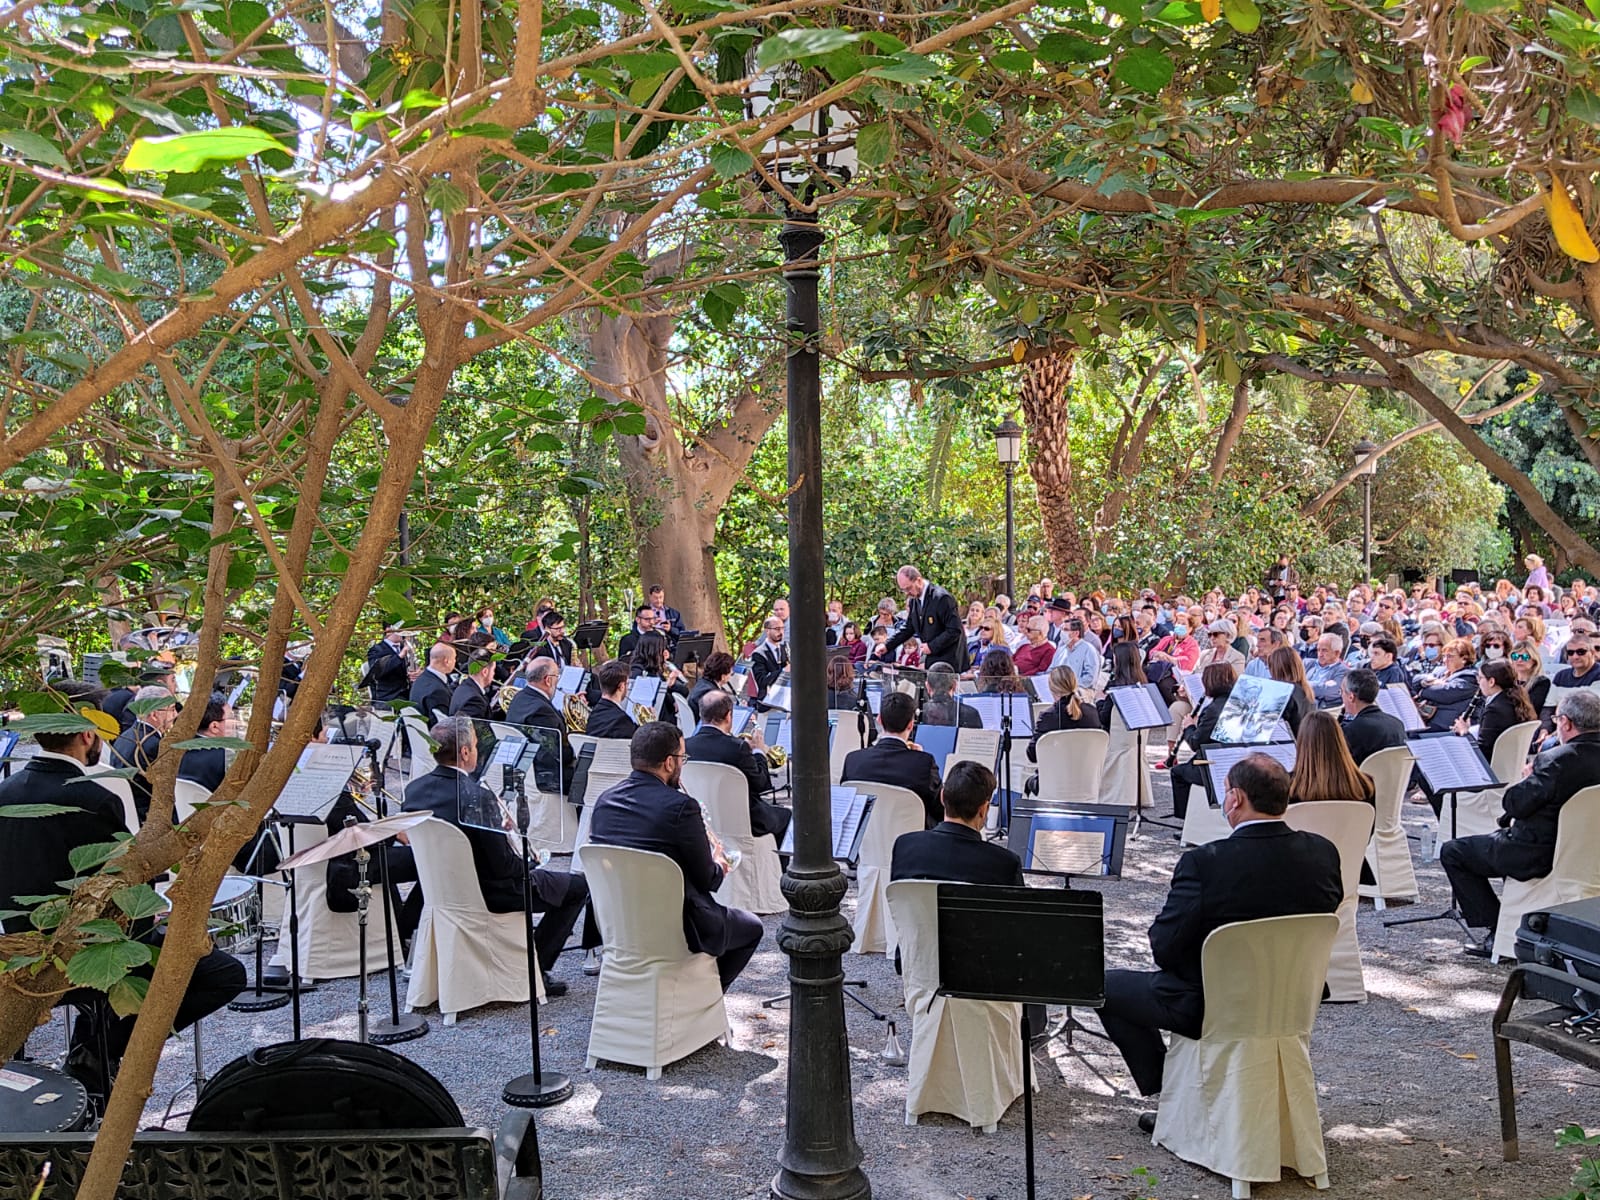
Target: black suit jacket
1262,870
710,744
137,747
386,672
530,706
1533,805
431,695
642,813
935,618
607,719
629,641
469,700
891,761
205,767
955,852
116,705
766,664
1371,730
698,692
946,712
1057,718
34,850
1499,715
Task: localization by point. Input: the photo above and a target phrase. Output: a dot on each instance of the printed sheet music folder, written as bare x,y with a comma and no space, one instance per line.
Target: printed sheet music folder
1220,757
1452,764
1141,706
1395,699
318,778
851,811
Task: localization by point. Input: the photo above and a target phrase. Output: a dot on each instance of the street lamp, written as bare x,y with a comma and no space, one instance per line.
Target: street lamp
1366,455
1008,449
820,1159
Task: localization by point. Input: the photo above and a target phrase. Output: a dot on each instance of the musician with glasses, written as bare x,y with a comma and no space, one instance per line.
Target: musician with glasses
388,672
644,621
554,642
534,706
770,658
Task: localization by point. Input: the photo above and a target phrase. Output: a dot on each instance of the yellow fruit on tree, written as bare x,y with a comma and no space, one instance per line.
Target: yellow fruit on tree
1210,9
1566,222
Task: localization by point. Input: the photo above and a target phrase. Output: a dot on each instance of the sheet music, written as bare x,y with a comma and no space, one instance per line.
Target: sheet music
571,681
1395,699
992,707
1140,707
785,735
1452,764
1220,760
777,697
1041,686
1072,851
741,719
874,699
978,745
1195,687
849,812
318,778
645,690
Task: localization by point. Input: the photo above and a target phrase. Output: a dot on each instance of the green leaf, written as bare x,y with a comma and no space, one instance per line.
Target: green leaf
92,854
421,98
1144,68
1584,105
140,900
446,196
241,572
721,302
907,68
215,743
127,994
103,965
875,143
102,929
58,722
33,147
188,152
141,708
1067,48
794,44
728,161
37,810
1243,15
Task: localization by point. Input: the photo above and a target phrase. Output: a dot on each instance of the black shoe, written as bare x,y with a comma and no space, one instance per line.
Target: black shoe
554,988
1147,1122
1483,949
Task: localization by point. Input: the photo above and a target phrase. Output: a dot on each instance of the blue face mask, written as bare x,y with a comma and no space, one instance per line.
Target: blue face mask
1430,653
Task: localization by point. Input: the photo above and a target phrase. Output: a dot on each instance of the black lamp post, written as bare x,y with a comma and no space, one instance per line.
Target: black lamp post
1008,449
1365,453
820,1159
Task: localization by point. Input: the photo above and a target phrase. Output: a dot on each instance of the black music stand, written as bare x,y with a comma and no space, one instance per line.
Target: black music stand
692,648
1451,765
1026,946
400,1027
261,1000
1142,707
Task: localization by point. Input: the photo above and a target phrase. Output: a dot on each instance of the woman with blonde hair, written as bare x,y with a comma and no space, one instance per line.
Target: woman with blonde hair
1528,662
1070,711
1538,574
1323,768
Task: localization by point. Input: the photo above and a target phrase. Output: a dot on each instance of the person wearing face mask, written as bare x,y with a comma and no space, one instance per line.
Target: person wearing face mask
1428,664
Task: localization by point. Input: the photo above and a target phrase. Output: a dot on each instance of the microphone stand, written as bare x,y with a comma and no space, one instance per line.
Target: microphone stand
539,1088
400,1027
1003,759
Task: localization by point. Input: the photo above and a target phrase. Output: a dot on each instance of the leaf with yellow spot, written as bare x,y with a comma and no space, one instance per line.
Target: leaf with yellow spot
1019,350
1572,235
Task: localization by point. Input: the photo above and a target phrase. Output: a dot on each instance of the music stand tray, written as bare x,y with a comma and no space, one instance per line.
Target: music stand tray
590,635
693,647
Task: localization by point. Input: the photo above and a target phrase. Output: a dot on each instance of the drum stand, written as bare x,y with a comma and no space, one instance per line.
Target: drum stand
400,1027
259,1001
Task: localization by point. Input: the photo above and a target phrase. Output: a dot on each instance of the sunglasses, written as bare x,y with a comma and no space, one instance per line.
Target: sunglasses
1577,653
1522,658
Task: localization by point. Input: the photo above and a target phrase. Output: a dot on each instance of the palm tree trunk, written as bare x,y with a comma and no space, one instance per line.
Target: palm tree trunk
1047,414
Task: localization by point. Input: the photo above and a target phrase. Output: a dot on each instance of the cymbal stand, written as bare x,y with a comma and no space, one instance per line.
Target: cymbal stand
400,1027
363,899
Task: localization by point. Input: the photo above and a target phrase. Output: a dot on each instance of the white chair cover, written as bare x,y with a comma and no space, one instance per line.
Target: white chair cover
186,794
724,794
1242,1100
1575,875
1071,764
846,737
1479,812
122,789
463,956
656,1002
1202,822
1348,825
895,811
552,819
1389,852
329,942
415,731
1120,781
966,1055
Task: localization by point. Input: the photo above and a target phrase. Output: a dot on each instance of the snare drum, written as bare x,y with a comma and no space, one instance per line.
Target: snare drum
235,920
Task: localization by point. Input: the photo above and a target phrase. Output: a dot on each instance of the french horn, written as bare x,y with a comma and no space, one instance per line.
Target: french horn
575,710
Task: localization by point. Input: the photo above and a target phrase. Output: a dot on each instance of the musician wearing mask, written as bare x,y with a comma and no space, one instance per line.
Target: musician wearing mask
608,717
431,690
388,671
669,621
501,871
471,697
713,741
895,759
933,619
138,745
533,705
649,810
770,659
554,644
714,677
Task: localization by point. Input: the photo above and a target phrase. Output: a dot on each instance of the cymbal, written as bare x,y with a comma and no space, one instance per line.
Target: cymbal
353,837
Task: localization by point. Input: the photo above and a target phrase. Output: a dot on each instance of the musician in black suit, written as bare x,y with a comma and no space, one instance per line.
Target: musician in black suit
943,706
560,896
554,643
770,658
533,706
714,673
208,767
1265,869
1524,846
607,716
955,848
714,742
386,666
1366,727
1505,704
644,621
471,697
138,745
35,856
1199,728
893,760
431,690
649,810
934,619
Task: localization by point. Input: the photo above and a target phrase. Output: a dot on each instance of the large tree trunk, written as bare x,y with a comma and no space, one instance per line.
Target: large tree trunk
1047,412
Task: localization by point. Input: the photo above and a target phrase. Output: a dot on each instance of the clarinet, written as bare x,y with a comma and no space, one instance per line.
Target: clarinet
1474,708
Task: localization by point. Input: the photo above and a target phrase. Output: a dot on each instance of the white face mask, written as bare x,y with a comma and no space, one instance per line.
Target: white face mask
1493,653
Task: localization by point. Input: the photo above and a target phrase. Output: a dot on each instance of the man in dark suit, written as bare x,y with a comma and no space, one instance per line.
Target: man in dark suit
955,848
942,706
553,641
893,760
500,869
1366,727
649,811
668,619
714,742
471,697
770,657
1524,846
35,855
207,767
533,706
644,621
431,690
933,619
138,745
607,717
1265,869
386,667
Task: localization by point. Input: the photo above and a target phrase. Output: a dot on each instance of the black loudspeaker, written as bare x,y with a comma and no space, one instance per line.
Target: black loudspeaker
322,1084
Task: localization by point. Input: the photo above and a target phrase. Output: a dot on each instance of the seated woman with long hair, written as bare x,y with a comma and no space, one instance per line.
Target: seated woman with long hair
714,676
1070,711
1120,782
841,678
1323,768
998,673
650,661
1284,665
1218,680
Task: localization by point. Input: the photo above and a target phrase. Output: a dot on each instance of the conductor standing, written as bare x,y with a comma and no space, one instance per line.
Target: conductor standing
933,619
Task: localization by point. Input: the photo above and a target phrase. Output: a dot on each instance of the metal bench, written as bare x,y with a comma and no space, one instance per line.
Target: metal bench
1548,1030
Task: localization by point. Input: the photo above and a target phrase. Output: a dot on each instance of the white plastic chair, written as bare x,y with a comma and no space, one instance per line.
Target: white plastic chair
724,794
122,789
415,731
1575,875
1071,763
463,955
656,1002
1479,812
1348,825
186,795
1242,1099
966,1055
1389,852
846,737
894,811
329,941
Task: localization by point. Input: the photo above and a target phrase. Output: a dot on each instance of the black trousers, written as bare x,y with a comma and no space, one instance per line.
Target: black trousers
745,932
217,979
1471,862
1133,1017
1185,776
562,898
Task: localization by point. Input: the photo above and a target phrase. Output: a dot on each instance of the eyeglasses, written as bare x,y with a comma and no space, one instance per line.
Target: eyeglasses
1522,658
1578,652
1435,645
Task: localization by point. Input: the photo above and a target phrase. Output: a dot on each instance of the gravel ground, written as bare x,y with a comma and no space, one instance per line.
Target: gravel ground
1406,1083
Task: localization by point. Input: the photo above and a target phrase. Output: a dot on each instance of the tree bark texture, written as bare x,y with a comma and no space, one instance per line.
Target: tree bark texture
1047,412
